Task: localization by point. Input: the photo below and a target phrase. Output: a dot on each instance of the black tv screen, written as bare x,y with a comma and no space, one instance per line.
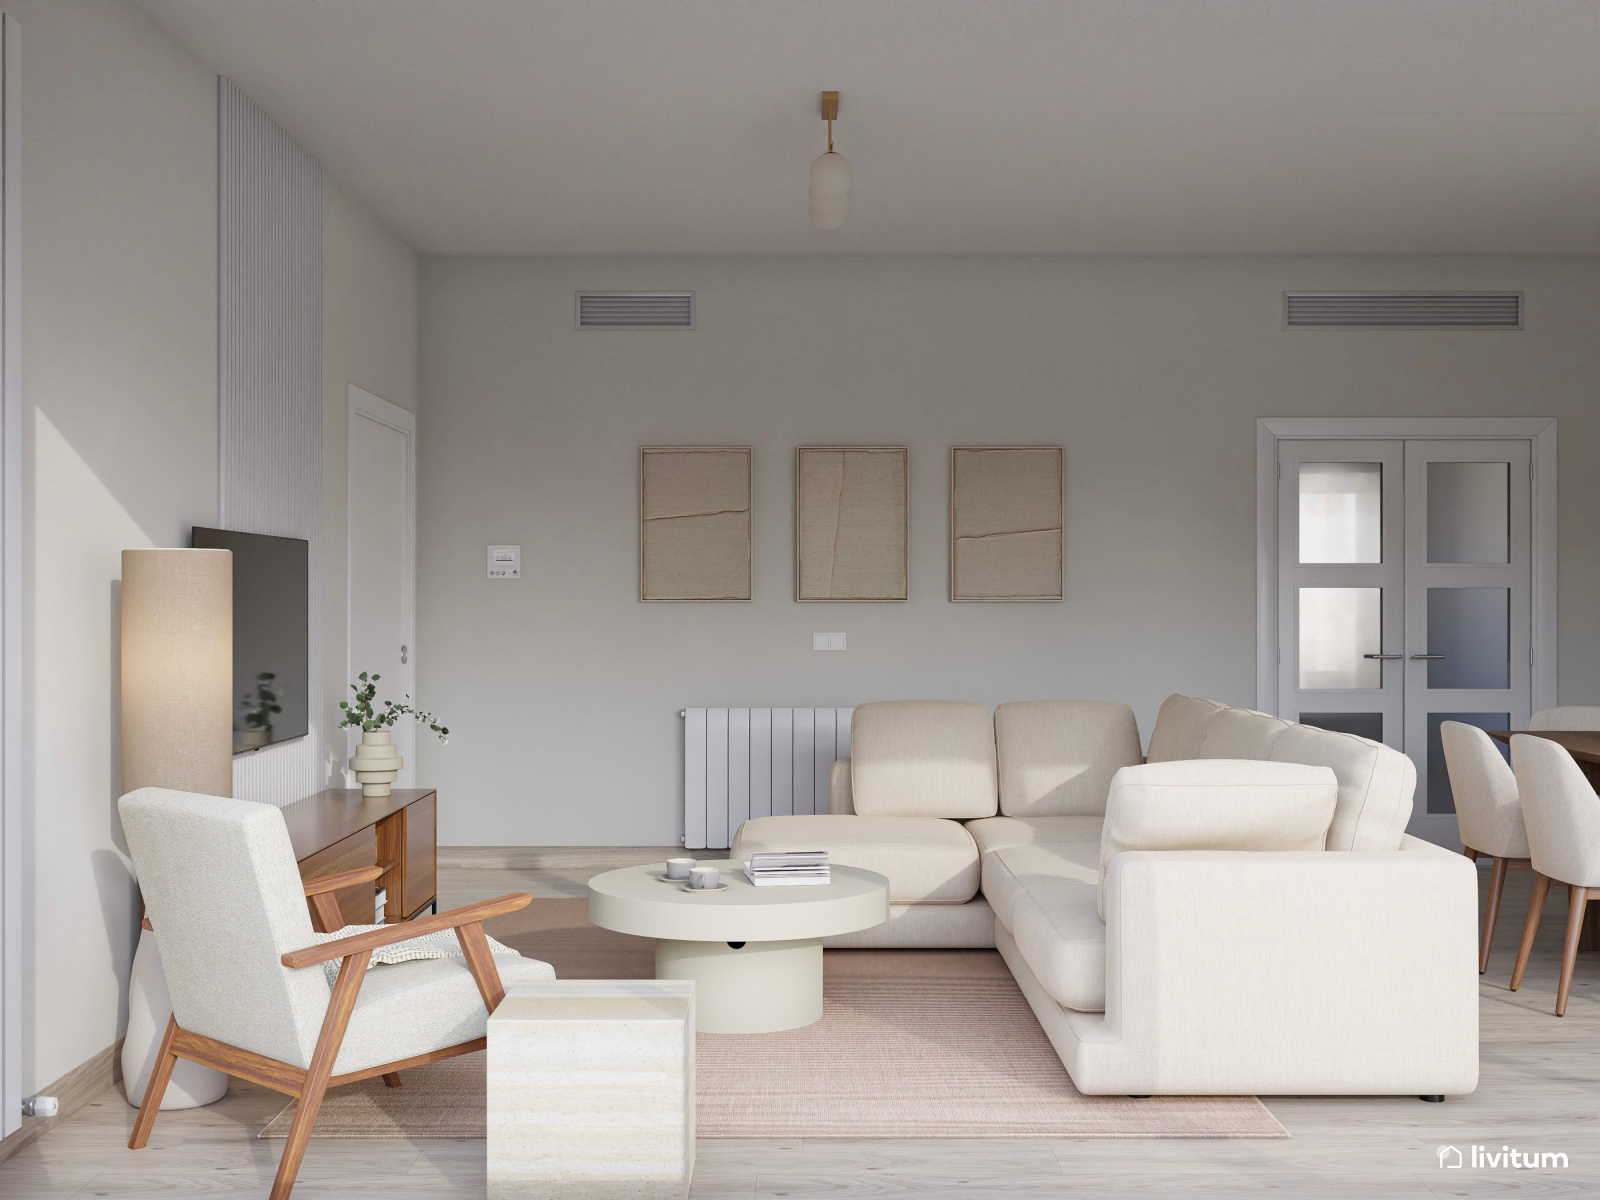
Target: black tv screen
271,635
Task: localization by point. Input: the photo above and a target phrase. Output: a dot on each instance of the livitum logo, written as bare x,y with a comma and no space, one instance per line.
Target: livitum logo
1485,1157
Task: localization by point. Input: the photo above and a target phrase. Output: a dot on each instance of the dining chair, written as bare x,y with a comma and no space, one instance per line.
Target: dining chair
250,994
1570,718
1488,813
1562,814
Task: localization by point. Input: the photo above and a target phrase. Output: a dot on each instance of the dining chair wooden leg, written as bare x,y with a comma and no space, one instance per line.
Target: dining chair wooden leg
334,1023
1577,902
160,1075
392,1079
1470,853
1497,884
1541,888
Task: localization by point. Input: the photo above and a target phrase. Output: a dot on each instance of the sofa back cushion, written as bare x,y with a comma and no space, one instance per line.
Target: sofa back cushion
1217,804
1241,733
1057,757
1375,785
1181,727
923,758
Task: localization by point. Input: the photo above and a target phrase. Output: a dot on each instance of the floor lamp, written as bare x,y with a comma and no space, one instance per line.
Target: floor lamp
177,732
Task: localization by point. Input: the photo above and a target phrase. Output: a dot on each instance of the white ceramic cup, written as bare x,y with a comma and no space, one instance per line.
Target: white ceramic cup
678,868
702,878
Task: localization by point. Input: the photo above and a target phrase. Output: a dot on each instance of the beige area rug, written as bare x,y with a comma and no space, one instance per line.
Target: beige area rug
912,1044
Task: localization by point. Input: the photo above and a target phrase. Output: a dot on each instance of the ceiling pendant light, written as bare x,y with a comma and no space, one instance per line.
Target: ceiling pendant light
830,176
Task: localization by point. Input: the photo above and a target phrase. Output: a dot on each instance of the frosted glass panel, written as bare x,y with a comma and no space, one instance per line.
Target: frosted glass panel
1341,512
1363,724
1337,627
1440,797
1471,627
1469,512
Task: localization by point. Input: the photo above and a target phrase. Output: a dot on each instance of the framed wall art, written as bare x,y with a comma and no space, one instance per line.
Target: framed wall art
694,523
1005,523
852,523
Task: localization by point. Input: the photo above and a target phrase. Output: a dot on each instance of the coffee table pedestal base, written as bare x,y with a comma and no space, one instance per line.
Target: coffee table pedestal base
759,987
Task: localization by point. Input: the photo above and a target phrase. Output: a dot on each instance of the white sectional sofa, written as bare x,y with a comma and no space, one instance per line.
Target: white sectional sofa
1268,926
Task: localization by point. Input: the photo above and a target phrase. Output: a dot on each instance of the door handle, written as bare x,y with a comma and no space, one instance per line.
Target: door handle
1426,657
1384,657
402,655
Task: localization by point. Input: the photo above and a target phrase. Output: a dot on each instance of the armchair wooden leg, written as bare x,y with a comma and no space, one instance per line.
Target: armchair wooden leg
392,1079
160,1075
337,1020
1577,902
1541,888
1497,884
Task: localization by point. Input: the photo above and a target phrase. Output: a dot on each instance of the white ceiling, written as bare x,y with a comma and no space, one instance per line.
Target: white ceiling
975,126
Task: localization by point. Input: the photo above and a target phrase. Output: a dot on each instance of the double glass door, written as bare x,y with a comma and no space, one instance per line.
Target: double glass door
1404,596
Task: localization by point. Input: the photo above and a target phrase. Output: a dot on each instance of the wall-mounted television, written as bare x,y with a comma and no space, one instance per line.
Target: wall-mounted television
271,635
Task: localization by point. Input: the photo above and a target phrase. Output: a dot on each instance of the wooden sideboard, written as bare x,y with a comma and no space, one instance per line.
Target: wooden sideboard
340,830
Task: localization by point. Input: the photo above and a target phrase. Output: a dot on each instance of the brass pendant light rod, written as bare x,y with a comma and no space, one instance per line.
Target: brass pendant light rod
830,113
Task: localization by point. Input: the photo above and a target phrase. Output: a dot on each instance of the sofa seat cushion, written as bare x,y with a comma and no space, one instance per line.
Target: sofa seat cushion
1046,896
1376,785
1181,727
412,1008
1057,757
925,859
994,833
923,758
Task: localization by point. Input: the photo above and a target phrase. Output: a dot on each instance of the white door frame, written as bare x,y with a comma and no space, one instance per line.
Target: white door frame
1540,431
11,699
362,404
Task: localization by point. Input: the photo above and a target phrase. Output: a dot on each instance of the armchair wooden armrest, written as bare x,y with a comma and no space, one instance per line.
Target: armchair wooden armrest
341,880
467,921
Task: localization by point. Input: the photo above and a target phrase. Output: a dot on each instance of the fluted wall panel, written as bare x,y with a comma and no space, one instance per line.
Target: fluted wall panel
270,384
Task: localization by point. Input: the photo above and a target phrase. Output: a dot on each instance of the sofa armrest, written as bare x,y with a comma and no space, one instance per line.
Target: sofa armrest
840,799
1293,972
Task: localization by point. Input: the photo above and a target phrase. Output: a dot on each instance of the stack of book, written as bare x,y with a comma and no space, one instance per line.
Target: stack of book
784,868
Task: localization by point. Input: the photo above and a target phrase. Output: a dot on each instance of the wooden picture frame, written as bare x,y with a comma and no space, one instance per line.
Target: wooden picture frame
1005,524
852,524
694,523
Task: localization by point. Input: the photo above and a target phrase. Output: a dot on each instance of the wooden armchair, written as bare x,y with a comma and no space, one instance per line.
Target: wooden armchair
249,992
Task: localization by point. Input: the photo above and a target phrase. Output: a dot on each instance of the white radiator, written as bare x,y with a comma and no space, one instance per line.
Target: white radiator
756,762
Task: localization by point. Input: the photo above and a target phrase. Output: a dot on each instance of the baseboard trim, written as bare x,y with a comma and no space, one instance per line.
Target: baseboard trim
535,858
76,1088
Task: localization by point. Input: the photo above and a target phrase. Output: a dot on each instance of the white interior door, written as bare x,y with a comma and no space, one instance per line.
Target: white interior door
1341,586
382,556
1405,595
1469,649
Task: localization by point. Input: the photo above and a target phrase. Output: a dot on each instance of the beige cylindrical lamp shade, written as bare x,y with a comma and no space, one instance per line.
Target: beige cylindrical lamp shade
177,670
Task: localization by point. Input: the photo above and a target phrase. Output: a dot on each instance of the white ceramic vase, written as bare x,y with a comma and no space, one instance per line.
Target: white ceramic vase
149,1008
376,765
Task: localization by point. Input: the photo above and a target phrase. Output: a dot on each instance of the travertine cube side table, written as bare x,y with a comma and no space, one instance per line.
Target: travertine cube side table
591,1091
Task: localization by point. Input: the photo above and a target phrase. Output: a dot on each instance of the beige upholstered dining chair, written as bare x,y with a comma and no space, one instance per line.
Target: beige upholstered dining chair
250,995
1563,817
1487,811
1571,718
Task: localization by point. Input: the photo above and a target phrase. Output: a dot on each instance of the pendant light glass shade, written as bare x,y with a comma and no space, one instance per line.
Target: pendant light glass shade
830,190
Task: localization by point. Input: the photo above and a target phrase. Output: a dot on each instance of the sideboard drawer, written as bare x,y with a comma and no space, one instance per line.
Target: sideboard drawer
421,853
360,849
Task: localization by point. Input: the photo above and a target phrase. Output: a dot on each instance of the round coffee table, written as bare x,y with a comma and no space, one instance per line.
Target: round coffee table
755,954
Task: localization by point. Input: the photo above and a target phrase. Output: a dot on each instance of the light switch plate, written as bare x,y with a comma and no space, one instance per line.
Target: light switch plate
505,562
827,641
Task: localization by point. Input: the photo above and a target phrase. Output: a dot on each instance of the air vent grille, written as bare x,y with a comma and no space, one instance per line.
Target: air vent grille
635,310
1402,310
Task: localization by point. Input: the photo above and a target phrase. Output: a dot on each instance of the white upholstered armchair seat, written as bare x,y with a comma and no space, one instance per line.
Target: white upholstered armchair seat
413,1008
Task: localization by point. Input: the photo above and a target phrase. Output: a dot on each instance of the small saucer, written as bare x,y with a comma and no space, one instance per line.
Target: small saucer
721,887
664,878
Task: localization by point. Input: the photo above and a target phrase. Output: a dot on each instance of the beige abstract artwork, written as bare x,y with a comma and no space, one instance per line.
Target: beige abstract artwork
694,527
1005,523
851,522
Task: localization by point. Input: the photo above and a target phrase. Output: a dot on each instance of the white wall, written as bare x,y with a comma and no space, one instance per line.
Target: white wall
119,286
562,690
370,318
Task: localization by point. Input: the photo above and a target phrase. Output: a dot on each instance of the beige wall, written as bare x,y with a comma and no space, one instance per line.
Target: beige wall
370,315
119,201
562,690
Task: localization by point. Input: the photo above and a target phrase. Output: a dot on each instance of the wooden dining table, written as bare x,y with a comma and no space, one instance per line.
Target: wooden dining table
1583,745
